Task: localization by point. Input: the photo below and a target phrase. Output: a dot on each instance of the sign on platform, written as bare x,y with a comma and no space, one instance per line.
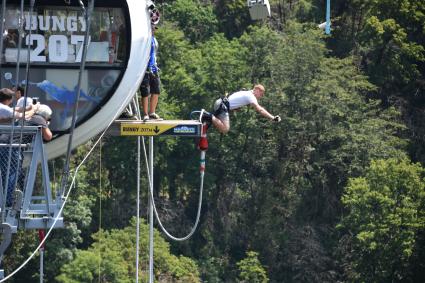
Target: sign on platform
155,128
144,129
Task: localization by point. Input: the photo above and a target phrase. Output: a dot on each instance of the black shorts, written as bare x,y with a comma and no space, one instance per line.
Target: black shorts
221,109
150,84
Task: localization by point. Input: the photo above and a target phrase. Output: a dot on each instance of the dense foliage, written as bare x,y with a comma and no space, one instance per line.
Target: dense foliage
334,193
385,214
111,258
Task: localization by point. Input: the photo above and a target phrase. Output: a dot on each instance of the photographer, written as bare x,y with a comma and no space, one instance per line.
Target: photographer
42,118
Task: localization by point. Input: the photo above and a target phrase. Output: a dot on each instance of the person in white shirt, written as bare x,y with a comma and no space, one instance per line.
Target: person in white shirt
20,101
6,112
220,118
7,115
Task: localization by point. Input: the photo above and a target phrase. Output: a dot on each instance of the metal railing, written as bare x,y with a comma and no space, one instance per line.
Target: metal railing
26,204
12,162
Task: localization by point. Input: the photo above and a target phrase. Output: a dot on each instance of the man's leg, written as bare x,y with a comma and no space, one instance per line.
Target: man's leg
154,103
220,119
222,125
144,91
154,83
145,103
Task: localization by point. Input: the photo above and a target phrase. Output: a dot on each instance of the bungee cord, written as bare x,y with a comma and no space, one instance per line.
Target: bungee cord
201,188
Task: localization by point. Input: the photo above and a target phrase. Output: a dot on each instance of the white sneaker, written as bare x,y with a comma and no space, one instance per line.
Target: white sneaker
154,116
146,118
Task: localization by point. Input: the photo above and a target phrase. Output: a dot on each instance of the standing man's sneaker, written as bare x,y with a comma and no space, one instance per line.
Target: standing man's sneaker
155,116
146,118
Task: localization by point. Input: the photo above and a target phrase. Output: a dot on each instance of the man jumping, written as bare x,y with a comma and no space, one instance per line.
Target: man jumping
220,118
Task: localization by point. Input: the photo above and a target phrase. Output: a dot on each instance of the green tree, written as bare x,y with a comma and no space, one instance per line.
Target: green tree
197,20
389,38
260,43
385,213
181,75
282,183
234,17
111,258
251,270
223,65
391,55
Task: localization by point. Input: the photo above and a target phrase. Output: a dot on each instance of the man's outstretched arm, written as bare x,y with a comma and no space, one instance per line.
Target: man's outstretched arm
260,109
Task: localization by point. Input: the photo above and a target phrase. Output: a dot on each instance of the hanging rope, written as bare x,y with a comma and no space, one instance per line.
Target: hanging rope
138,210
21,132
138,115
328,17
138,194
201,188
41,235
9,158
27,70
3,9
20,32
87,15
100,209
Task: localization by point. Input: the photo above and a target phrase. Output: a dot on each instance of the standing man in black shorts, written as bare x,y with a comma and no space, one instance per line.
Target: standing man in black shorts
151,83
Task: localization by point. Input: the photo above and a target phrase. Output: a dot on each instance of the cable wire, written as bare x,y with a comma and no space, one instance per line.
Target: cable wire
100,208
138,194
3,9
22,126
9,158
87,15
138,210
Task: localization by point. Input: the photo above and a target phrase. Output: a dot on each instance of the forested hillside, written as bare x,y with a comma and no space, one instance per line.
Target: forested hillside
333,193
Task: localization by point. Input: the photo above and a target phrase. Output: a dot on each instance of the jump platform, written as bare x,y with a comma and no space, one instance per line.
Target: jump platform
187,128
